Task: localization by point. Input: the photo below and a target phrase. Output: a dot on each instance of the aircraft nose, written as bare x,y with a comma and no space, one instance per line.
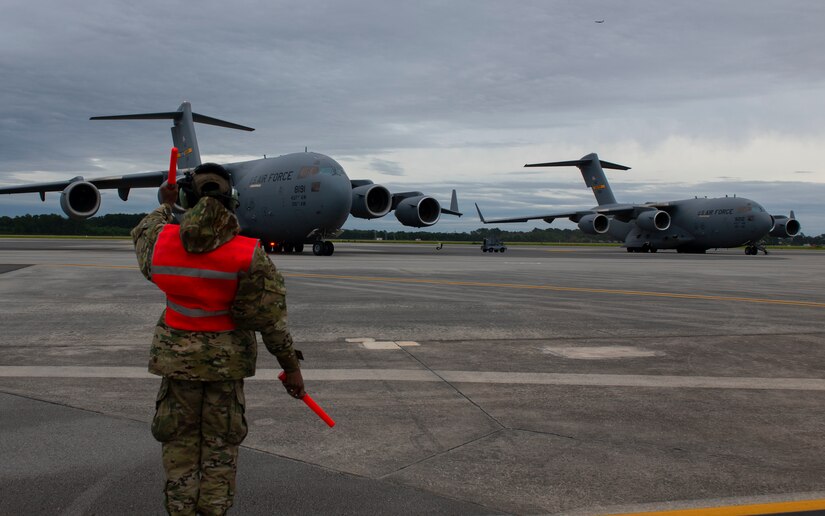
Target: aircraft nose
765,222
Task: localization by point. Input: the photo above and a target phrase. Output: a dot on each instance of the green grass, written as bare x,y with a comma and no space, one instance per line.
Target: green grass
70,237
419,242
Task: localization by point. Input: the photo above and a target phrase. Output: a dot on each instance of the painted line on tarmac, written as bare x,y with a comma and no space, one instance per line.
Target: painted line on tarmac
424,375
801,506
555,288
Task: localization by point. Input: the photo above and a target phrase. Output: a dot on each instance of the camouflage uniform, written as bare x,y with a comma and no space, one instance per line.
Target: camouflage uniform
200,406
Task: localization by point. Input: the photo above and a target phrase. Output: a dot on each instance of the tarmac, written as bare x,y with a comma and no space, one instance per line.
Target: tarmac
543,380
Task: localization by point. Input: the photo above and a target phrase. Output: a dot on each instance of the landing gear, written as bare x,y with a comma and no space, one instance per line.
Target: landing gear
753,249
646,248
325,248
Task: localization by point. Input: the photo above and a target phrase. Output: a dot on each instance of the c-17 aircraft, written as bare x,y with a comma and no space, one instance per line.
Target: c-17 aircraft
689,225
287,201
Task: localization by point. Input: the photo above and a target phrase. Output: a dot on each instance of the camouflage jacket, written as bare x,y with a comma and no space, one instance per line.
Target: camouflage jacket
260,304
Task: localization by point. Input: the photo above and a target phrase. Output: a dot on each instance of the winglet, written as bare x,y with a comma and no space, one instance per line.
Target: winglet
453,207
480,216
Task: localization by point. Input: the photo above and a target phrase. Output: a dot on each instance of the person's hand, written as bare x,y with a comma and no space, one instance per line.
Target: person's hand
294,384
169,195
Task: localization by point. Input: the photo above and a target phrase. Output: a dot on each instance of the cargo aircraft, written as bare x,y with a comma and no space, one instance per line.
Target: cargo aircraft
689,225
285,201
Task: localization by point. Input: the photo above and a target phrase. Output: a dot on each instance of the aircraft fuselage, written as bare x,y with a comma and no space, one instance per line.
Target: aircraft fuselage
700,224
290,197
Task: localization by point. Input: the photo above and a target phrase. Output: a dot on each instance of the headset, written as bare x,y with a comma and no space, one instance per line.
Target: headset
188,194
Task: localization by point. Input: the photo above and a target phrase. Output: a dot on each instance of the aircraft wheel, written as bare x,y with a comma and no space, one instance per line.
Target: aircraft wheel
503,249
653,249
288,247
329,248
299,248
318,249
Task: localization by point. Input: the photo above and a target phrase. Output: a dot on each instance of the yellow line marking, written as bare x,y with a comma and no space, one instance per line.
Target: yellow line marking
555,288
740,510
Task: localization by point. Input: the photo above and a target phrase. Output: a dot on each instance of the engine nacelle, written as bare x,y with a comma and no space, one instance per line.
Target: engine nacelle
419,212
80,200
370,202
594,224
784,227
653,220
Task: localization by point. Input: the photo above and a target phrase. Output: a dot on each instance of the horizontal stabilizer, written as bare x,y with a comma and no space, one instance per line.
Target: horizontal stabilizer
578,163
176,115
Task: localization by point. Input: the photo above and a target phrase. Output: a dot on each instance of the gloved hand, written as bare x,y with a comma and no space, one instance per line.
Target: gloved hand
294,384
169,195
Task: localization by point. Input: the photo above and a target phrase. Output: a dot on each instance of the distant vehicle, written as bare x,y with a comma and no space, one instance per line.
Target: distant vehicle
493,245
286,202
689,225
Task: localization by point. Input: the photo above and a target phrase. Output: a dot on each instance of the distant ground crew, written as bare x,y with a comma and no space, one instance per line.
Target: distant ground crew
220,288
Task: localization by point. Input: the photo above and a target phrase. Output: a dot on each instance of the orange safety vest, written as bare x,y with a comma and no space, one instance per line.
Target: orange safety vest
199,287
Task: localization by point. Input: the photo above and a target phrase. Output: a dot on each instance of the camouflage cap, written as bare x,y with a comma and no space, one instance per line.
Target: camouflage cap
210,179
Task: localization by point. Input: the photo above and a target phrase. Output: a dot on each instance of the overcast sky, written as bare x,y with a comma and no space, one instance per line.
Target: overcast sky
699,98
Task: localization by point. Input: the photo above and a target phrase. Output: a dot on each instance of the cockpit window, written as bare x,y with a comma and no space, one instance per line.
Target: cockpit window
330,171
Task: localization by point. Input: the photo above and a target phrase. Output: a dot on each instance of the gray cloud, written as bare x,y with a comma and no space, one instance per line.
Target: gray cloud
390,168
371,78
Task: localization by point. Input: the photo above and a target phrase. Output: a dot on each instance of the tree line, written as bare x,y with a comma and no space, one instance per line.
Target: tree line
121,224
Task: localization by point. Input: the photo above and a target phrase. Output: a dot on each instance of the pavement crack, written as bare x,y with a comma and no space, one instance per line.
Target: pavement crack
442,452
456,389
539,432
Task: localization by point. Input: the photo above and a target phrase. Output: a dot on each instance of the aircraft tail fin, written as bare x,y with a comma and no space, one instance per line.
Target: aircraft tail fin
591,168
183,131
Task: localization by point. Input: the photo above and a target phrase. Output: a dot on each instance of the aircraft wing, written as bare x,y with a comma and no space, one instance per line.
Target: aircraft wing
622,212
123,183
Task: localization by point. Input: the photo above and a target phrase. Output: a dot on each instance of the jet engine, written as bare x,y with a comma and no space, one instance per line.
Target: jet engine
784,227
419,212
594,224
80,200
370,202
653,220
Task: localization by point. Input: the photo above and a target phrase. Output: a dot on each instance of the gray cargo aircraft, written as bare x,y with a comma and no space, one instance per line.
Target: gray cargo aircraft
287,201
690,225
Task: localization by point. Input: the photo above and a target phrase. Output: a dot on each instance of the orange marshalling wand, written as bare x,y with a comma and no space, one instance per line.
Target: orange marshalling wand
311,404
172,178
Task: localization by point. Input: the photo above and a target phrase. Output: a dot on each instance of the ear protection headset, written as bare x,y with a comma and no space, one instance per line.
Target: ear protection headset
191,190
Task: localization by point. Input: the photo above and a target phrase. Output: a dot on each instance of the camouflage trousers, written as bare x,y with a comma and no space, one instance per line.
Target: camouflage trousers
200,425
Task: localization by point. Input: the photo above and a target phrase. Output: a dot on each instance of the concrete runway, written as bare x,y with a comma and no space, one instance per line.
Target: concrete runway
538,381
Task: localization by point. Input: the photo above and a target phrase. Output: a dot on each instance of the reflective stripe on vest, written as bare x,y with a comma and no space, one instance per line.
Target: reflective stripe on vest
199,287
